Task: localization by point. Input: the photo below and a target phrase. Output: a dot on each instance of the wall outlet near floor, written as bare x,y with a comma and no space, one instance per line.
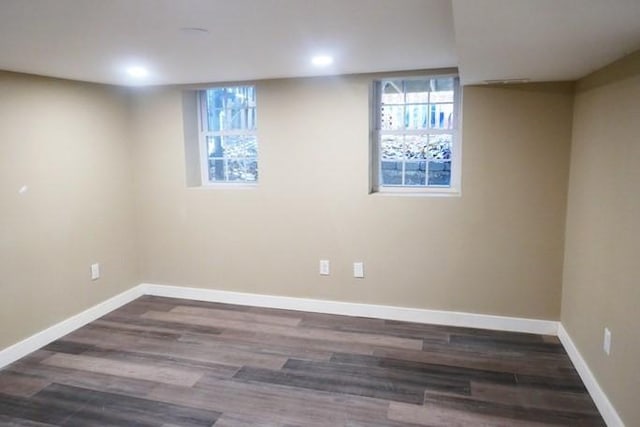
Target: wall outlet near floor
607,341
324,267
95,271
358,269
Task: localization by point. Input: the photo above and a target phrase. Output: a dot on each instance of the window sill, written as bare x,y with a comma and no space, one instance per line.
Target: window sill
225,185
417,192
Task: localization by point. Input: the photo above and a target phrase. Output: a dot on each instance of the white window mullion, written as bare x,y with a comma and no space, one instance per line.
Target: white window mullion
417,131
426,172
202,138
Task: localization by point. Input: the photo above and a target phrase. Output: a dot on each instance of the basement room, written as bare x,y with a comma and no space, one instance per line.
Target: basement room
356,213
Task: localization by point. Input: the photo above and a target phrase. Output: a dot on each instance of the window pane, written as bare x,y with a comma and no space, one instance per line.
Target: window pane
246,94
392,92
440,173
441,116
231,108
215,99
243,170
239,146
391,117
231,97
232,119
392,147
417,91
232,158
415,173
217,170
391,173
442,89
446,96
440,147
417,116
214,146
214,120
416,146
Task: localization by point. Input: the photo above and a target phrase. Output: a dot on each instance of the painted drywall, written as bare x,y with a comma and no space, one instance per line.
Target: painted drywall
601,272
497,249
66,200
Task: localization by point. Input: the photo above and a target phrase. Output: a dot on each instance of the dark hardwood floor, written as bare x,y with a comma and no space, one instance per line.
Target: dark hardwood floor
170,362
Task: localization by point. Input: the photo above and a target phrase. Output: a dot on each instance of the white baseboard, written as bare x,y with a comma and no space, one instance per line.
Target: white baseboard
603,404
437,317
42,338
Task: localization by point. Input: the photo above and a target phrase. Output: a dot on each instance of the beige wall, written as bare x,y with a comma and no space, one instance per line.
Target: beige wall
68,143
79,147
497,249
602,272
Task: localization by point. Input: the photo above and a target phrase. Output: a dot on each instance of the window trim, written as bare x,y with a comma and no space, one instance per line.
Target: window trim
202,140
455,187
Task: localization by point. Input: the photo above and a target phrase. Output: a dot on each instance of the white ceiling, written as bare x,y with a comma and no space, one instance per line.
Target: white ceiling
96,40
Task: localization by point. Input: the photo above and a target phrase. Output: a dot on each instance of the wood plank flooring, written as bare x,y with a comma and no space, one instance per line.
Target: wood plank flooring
169,362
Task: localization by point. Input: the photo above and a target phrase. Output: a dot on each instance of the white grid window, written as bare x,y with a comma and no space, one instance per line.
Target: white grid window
416,143
229,147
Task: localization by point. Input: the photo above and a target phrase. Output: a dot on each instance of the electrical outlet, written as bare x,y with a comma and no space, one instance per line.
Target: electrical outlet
358,269
324,267
607,341
95,271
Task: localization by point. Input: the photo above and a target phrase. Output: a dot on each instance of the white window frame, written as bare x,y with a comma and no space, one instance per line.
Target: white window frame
204,133
454,188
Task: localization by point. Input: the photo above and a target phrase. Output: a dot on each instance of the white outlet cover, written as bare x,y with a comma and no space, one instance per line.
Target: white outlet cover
607,341
358,270
325,267
95,271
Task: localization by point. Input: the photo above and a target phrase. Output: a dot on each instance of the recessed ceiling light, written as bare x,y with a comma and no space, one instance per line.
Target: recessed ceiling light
137,72
322,60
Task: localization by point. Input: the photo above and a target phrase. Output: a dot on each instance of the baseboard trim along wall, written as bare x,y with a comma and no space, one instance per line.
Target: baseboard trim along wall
42,338
603,404
448,318
417,315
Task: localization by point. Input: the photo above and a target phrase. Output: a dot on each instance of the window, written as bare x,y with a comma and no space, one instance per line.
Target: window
228,143
416,145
